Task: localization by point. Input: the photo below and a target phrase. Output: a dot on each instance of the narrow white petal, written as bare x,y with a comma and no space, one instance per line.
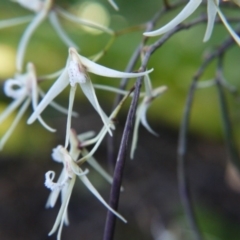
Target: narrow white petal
60,31
34,92
74,151
63,194
14,21
212,12
84,136
185,13
102,134
76,169
110,89
92,161
78,20
57,106
98,139
26,37
50,129
51,76
135,133
115,90
108,72
148,86
230,30
91,141
63,209
15,123
89,92
59,85
33,5
13,105
114,5
143,113
69,117
92,189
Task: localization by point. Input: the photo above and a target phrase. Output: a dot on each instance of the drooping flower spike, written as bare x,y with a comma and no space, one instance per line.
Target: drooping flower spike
66,182
76,72
44,9
192,5
24,90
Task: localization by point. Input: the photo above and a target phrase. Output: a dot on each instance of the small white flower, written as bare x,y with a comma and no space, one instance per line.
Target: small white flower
76,72
151,94
192,5
24,90
66,181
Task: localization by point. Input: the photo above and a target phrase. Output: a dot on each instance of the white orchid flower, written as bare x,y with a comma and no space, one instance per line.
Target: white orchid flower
45,9
66,182
24,90
192,5
151,94
76,72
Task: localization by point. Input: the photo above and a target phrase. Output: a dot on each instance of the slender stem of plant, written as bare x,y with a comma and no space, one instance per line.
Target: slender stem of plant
227,127
183,183
118,172
123,84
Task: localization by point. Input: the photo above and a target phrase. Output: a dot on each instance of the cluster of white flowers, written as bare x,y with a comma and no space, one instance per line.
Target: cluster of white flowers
24,89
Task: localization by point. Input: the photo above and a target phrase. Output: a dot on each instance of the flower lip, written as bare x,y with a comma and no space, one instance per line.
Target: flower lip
14,88
76,73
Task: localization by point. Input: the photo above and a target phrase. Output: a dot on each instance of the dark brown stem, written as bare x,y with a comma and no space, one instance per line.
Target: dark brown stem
118,172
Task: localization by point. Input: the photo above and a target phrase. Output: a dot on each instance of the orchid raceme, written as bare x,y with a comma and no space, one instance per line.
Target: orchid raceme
76,72
45,9
66,181
151,94
212,10
24,90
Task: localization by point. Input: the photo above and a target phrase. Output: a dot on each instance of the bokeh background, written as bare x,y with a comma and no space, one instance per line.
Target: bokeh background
150,201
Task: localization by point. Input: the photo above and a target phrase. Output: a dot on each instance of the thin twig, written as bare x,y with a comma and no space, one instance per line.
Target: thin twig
118,172
184,189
